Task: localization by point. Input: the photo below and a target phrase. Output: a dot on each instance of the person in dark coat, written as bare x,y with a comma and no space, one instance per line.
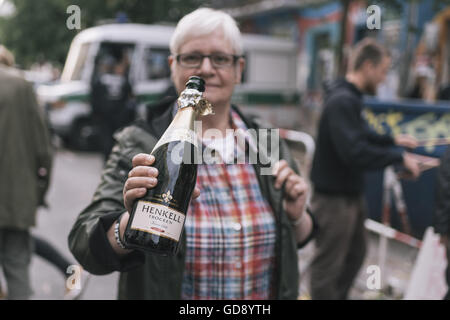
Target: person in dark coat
111,100
25,163
345,149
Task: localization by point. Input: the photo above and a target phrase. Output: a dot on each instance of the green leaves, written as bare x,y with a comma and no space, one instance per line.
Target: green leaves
38,32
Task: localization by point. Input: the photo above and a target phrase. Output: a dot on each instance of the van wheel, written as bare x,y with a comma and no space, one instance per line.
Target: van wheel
83,136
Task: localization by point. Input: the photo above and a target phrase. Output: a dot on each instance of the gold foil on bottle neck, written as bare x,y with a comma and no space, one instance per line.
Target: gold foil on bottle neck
203,107
194,98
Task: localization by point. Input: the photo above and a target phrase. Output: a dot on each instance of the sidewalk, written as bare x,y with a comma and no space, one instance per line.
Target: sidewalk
399,264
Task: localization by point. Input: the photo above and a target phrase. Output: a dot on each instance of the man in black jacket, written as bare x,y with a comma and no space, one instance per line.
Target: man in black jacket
442,213
346,148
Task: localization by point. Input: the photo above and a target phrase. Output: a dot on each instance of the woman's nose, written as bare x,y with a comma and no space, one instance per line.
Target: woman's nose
206,67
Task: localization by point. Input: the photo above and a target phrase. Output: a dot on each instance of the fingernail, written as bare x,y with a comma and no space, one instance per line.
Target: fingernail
154,171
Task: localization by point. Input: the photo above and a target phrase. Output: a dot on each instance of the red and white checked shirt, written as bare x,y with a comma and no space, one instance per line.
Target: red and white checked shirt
230,232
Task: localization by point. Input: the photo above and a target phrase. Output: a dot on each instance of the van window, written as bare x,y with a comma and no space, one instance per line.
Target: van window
111,55
155,64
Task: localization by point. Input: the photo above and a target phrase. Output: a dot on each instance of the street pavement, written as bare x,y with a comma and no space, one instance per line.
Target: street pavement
395,274
74,179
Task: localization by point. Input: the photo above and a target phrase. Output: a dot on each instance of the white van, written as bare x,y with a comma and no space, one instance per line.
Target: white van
269,80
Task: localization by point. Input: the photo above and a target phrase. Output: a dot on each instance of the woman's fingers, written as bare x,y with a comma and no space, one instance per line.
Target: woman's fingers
131,195
140,182
141,178
196,193
143,171
281,173
143,159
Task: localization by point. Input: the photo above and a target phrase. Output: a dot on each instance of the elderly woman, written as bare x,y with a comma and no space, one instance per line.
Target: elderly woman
242,228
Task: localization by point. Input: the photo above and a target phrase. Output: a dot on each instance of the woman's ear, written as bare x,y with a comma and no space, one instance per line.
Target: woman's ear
170,60
240,65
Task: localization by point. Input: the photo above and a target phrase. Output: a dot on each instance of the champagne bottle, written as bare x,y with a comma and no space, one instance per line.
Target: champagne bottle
157,219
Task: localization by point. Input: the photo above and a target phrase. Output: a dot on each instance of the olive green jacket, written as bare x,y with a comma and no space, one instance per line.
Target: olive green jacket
147,276
24,148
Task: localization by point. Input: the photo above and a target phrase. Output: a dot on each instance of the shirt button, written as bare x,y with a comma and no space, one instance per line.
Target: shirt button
237,226
238,265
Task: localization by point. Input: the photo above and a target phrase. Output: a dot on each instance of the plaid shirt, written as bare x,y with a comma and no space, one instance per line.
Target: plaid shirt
230,232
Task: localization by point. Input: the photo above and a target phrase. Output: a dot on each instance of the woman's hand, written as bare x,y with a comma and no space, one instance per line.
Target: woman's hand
142,177
295,187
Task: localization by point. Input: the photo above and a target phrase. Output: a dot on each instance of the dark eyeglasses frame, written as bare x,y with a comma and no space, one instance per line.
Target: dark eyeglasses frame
203,56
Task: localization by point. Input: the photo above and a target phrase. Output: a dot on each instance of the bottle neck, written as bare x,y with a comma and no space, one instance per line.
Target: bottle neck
180,129
184,118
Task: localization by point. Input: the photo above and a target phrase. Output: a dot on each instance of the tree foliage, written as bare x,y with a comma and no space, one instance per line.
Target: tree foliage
37,31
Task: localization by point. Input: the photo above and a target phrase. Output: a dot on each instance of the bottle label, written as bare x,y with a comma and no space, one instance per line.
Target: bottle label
158,219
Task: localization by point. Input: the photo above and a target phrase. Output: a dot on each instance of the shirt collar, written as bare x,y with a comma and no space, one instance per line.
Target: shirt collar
240,131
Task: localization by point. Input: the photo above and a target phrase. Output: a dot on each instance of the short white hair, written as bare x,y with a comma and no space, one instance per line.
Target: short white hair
205,21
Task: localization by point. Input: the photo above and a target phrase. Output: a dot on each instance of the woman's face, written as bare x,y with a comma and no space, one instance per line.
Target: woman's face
219,81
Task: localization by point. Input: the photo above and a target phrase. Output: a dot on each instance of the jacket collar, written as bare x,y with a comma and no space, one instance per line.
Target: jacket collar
159,116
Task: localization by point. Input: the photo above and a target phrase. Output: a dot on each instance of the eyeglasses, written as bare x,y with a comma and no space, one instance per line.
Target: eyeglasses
195,60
